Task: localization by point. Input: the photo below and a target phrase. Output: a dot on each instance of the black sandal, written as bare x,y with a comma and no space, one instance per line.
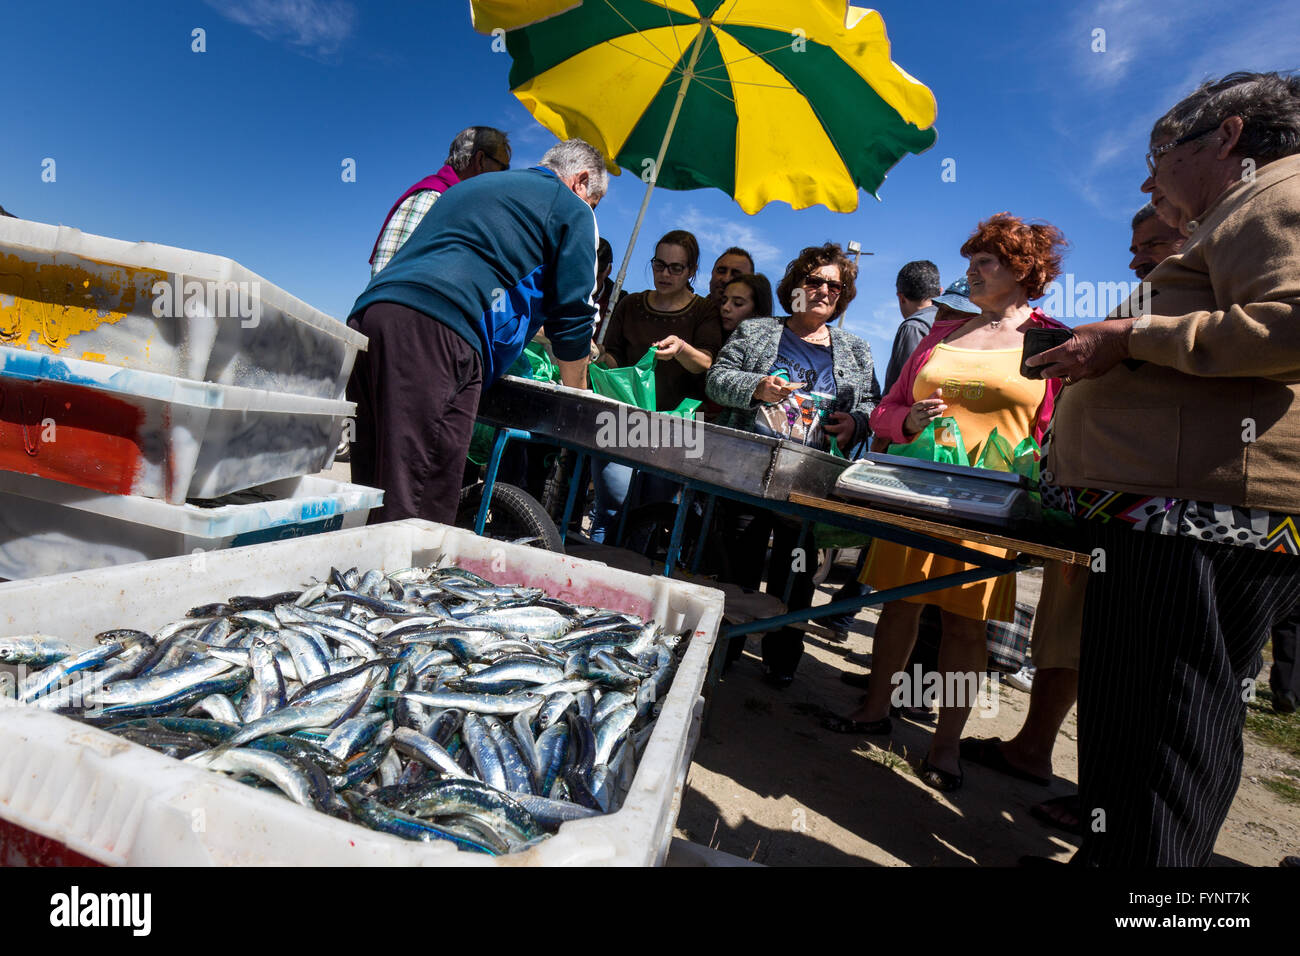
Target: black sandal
940,780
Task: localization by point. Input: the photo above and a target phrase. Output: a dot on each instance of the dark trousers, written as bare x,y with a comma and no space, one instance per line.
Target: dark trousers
746,533
416,387
1172,634
1284,676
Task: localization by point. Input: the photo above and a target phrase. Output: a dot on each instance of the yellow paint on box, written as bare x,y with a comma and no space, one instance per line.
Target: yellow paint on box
44,304
94,357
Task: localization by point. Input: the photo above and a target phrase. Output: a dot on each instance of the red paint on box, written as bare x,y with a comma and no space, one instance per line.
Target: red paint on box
19,847
70,433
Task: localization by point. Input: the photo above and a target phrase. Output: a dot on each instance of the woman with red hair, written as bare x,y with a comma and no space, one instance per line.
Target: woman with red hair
967,368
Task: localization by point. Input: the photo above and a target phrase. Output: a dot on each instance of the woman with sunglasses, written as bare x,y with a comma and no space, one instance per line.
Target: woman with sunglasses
799,378
684,331
968,369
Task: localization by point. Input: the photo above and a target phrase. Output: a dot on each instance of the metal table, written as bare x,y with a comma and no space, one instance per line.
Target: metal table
766,473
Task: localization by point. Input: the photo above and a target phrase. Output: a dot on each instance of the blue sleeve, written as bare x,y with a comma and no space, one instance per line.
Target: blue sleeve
571,308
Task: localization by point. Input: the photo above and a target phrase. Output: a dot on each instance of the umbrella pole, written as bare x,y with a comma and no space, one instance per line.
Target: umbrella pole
687,76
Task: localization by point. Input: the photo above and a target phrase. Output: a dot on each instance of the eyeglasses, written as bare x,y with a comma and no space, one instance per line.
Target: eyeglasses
1161,150
672,268
504,166
833,288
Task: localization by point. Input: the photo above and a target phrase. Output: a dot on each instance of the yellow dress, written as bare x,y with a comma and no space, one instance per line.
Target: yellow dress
983,390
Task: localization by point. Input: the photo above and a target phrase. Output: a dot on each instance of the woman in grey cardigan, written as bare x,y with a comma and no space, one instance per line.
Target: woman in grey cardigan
799,379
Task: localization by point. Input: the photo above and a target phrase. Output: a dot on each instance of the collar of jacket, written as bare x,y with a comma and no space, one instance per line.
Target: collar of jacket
1241,192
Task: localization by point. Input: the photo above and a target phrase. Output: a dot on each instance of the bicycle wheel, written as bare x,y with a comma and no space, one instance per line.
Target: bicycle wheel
513,515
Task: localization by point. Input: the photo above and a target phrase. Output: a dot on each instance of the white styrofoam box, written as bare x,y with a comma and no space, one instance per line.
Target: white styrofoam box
161,309
47,527
119,803
125,431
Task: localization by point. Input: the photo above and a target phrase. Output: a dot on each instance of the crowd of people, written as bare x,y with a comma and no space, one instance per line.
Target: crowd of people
1170,432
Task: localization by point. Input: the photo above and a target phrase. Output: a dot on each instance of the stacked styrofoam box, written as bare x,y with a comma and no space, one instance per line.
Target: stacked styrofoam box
140,369
47,527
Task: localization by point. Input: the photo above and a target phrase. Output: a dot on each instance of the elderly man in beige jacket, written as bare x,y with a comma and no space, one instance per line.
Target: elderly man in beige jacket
1177,448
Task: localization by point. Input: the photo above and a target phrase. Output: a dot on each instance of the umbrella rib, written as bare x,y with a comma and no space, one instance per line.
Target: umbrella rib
668,19
671,63
671,66
727,63
706,84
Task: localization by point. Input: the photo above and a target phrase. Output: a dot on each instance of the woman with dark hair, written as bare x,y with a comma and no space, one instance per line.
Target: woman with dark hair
685,333
681,326
967,368
802,379
744,297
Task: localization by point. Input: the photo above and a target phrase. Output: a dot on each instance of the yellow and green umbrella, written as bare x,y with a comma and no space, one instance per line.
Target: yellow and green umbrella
767,100
490,15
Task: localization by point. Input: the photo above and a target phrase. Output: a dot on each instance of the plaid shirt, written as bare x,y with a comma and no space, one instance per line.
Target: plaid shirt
401,225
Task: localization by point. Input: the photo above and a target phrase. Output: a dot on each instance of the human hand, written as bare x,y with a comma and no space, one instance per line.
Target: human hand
668,348
1095,349
772,389
841,426
924,412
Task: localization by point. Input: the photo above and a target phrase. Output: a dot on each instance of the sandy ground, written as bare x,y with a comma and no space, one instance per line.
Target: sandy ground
769,784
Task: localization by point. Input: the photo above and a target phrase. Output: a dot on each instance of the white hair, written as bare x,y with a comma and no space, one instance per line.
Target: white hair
574,156
469,141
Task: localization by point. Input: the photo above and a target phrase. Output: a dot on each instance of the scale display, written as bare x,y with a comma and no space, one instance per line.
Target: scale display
947,491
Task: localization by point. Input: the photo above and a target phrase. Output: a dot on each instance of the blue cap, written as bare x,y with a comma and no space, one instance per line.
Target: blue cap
957,298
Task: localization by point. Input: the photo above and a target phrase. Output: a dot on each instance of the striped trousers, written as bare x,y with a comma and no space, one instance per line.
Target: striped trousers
1172,633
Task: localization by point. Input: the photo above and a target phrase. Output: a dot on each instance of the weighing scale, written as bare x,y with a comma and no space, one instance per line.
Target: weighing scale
947,491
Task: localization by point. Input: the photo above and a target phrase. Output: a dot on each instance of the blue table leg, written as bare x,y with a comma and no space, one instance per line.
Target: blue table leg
575,480
633,488
679,524
704,533
498,449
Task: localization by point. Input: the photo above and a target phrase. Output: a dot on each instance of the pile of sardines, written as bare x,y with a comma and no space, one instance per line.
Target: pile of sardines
427,703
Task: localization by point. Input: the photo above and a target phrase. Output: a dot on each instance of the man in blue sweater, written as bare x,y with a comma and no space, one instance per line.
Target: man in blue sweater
495,259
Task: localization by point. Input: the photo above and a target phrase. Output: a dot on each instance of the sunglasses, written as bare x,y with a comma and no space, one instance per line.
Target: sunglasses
813,282
1159,151
672,268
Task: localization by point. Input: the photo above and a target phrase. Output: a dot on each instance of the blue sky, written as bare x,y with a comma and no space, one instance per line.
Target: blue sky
238,150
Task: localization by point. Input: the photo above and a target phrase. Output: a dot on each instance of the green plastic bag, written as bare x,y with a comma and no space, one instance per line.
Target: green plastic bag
535,363
480,444
632,385
687,409
998,455
949,449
